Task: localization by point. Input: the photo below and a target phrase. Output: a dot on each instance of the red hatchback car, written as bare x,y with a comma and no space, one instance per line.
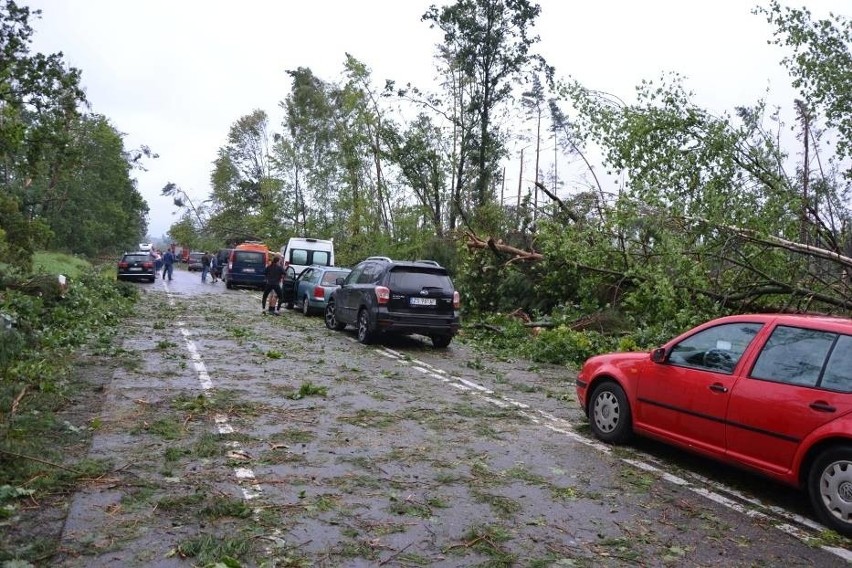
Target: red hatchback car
771,393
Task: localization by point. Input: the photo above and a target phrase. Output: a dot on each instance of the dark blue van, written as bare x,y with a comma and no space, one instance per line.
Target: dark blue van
246,266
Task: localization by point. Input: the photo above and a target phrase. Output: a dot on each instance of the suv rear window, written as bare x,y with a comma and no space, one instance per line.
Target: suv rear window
136,257
413,279
248,257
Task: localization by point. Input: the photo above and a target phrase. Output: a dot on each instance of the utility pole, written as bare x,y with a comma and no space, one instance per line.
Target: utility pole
520,180
537,155
805,117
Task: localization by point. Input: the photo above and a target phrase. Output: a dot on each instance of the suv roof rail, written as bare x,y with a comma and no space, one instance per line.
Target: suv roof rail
428,261
383,258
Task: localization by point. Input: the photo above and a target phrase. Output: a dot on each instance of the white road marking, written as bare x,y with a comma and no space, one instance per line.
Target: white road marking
566,429
244,475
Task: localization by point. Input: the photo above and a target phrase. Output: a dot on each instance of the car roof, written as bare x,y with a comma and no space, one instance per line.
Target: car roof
822,321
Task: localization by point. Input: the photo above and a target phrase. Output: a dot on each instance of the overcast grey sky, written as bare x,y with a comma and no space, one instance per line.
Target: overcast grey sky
176,74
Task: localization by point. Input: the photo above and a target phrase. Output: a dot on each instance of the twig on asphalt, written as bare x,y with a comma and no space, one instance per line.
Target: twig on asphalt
397,553
39,460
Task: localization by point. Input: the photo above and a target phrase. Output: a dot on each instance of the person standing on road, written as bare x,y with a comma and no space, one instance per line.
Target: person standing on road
205,266
214,267
274,273
158,261
168,264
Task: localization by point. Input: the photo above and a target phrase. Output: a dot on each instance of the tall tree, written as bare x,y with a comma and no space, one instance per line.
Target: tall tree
100,209
820,65
39,100
244,182
491,45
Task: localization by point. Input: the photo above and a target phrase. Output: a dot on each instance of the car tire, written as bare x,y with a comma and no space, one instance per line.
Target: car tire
365,334
441,341
228,285
830,488
609,413
331,318
306,307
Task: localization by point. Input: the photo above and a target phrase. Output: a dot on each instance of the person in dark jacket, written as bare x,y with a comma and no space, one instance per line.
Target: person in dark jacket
168,264
274,274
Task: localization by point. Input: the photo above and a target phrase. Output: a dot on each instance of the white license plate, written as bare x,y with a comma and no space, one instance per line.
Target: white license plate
136,269
423,301
248,270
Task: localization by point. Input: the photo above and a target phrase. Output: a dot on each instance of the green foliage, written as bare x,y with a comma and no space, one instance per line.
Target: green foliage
101,209
820,64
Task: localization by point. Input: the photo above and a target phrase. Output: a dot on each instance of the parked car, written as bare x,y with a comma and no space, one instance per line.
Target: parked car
246,265
314,286
194,264
385,296
771,393
137,265
222,256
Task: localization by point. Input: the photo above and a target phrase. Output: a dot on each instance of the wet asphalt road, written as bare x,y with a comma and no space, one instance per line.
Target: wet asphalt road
280,443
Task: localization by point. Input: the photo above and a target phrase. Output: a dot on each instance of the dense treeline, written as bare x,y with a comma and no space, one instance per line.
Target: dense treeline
65,178
710,213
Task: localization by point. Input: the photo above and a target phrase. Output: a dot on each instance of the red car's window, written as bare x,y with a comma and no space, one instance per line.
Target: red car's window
717,349
838,372
794,355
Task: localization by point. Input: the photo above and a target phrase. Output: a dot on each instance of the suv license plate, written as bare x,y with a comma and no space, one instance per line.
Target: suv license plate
136,269
423,301
248,270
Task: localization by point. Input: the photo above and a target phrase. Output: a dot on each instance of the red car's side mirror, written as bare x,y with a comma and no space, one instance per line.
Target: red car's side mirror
658,355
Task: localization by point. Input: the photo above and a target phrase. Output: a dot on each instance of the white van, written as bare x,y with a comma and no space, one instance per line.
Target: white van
301,252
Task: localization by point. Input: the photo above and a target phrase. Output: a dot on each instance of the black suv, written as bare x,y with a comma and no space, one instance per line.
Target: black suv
136,266
381,295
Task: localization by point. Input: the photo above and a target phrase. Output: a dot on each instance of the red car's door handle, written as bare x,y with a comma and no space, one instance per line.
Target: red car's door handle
821,406
718,387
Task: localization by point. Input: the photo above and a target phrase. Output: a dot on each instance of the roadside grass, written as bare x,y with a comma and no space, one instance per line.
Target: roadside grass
41,382
45,262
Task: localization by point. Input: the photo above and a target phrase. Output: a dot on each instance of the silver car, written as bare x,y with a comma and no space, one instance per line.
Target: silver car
314,286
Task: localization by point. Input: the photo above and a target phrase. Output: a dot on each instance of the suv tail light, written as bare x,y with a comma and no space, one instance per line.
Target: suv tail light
456,300
122,264
319,292
382,294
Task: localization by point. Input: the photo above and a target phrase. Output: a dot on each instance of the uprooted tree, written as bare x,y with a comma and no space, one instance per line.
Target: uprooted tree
709,219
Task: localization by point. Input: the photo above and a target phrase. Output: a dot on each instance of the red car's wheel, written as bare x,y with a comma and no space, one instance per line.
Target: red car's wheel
609,413
830,488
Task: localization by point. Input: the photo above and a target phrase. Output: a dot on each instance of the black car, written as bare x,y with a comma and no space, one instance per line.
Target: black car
136,266
381,295
194,264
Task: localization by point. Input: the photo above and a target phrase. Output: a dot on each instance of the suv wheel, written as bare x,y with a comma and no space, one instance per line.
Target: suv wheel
331,319
365,334
441,341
